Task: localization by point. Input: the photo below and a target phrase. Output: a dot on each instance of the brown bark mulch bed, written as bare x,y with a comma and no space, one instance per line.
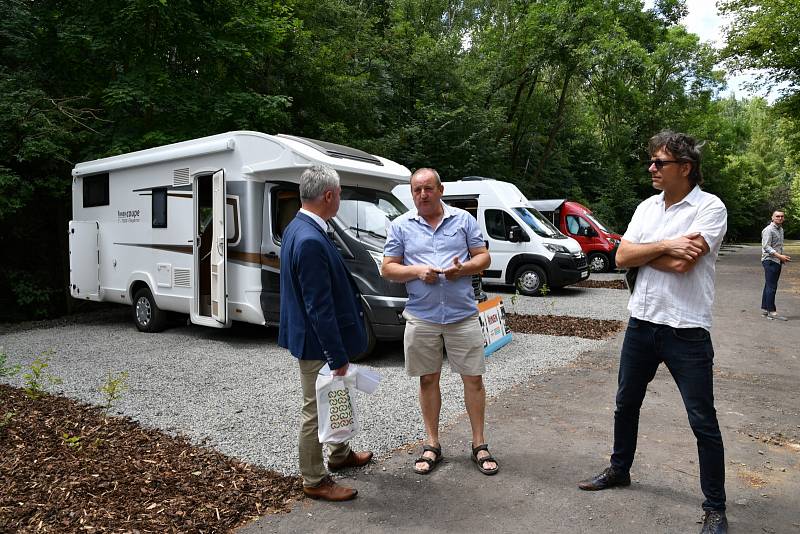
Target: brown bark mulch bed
64,467
561,325
603,284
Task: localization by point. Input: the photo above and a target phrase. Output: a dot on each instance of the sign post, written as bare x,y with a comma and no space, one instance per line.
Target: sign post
492,316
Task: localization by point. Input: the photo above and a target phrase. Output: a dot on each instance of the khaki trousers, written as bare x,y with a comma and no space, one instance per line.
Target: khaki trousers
311,465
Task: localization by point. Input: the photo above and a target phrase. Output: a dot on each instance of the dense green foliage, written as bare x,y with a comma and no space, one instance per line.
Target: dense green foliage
765,35
558,96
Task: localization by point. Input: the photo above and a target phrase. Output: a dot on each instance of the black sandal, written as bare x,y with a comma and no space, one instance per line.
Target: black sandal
481,461
432,463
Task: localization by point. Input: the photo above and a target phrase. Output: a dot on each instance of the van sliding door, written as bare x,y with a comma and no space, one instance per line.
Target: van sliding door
219,251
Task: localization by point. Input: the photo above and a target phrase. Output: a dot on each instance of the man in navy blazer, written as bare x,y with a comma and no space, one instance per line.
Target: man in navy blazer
321,321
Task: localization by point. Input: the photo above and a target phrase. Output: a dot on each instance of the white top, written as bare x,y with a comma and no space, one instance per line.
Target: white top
316,218
680,300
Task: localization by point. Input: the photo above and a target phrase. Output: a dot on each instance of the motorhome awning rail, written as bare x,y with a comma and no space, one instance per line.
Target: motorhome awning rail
154,155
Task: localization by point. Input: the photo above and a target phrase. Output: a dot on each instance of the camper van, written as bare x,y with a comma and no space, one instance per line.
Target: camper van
527,251
578,222
195,228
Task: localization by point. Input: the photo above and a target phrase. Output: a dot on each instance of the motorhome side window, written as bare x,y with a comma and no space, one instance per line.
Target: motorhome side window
159,206
498,224
470,205
95,190
286,203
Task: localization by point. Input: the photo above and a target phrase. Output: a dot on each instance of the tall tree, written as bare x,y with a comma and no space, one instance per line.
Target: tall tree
86,79
764,36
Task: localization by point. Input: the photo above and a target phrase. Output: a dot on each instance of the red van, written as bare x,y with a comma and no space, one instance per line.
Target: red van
576,221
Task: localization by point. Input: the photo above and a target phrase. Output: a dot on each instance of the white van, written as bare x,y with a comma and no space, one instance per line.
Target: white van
527,250
195,227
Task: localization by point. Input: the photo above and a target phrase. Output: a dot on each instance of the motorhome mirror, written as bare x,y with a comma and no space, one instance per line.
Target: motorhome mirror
515,235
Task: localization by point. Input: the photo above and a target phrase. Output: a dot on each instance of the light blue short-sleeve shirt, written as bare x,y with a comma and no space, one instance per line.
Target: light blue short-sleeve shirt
413,239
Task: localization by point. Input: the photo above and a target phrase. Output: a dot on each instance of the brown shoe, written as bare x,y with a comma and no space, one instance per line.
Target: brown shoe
354,459
328,490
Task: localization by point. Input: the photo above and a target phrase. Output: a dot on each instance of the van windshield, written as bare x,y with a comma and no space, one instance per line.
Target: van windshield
369,210
597,223
538,223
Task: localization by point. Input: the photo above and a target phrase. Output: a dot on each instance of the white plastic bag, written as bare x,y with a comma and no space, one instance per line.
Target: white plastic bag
366,380
336,409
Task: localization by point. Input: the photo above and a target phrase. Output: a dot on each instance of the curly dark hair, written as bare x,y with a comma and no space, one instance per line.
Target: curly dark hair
682,147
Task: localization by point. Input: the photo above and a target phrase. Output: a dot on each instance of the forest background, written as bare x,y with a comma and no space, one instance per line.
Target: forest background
557,96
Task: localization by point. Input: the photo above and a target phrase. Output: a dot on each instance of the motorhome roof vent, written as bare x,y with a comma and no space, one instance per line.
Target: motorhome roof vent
335,151
475,178
181,177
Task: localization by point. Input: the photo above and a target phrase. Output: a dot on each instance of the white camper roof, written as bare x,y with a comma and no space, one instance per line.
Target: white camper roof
262,156
491,191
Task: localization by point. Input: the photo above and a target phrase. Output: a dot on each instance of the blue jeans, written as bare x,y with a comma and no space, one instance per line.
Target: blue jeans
772,271
689,356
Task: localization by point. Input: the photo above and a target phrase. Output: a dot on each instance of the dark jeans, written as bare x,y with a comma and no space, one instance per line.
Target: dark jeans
689,356
772,271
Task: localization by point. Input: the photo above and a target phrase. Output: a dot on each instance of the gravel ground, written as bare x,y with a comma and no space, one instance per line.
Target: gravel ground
237,391
596,303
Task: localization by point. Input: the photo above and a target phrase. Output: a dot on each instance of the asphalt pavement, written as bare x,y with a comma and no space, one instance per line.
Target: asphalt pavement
555,429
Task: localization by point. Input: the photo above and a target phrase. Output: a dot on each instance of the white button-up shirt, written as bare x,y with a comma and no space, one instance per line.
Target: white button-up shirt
316,218
680,300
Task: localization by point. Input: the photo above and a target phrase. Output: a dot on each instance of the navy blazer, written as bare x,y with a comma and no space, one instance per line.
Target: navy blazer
321,317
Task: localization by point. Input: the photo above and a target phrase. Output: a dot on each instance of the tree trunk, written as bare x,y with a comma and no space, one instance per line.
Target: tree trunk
557,123
519,130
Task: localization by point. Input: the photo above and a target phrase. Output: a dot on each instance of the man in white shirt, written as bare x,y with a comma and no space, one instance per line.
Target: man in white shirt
673,239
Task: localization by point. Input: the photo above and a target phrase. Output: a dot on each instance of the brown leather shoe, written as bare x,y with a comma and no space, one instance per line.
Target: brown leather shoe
328,490
354,459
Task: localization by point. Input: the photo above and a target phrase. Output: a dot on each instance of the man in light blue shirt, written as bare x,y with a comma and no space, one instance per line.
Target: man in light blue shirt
435,249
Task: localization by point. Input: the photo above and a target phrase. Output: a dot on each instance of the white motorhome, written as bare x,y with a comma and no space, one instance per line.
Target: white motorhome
195,228
527,250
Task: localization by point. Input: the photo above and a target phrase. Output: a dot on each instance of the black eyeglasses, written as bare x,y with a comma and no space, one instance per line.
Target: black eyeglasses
659,163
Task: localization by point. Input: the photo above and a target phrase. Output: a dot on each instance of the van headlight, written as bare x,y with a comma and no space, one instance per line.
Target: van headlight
557,249
377,258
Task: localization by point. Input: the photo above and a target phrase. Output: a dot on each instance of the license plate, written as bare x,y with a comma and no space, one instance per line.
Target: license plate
585,274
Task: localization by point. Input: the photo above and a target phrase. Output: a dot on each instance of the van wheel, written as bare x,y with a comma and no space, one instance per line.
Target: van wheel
529,280
599,262
147,316
371,340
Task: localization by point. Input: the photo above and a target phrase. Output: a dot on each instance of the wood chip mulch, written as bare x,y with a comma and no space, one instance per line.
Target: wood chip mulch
603,284
65,467
561,325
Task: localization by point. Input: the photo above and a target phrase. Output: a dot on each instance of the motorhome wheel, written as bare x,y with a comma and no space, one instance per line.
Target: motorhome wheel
370,343
147,316
530,279
599,263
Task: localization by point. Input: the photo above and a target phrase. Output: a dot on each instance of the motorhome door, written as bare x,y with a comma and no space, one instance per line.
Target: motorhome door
210,303
219,252
84,260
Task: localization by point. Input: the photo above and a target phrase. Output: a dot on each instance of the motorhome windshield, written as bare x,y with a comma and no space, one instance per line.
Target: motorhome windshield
368,210
538,223
596,222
